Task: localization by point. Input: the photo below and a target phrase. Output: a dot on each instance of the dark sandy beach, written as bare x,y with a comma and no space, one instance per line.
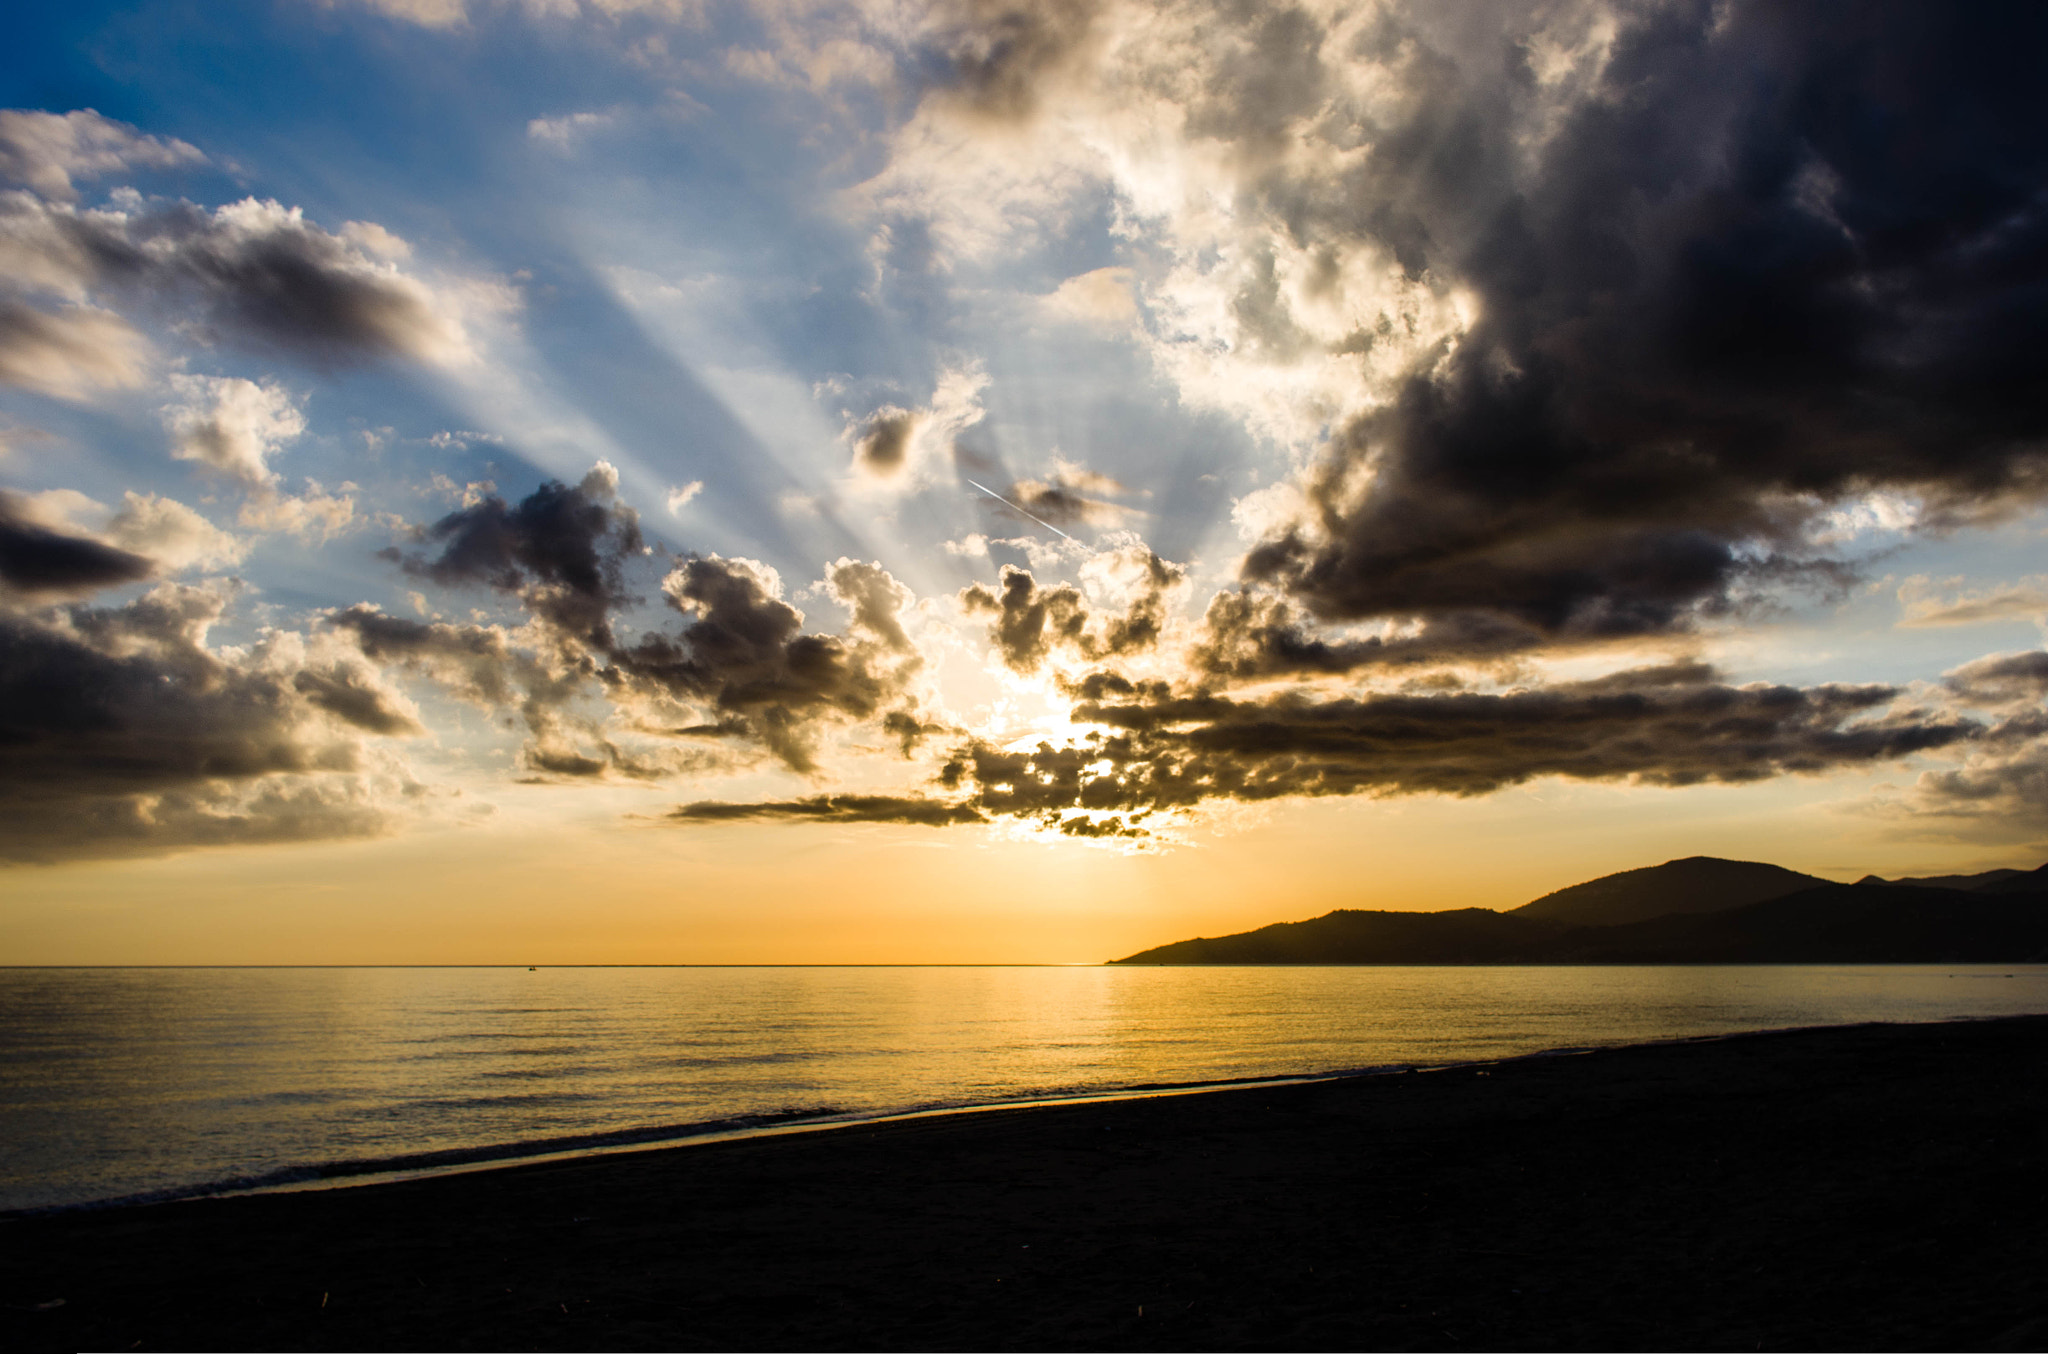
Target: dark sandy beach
1867,1187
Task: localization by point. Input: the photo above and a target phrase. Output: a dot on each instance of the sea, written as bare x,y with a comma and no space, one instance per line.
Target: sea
146,1084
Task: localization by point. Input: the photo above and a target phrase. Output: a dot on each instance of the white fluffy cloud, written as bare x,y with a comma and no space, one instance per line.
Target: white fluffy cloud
1100,297
1214,133
254,272
232,425
173,535
47,151
1924,602
459,13
315,515
562,132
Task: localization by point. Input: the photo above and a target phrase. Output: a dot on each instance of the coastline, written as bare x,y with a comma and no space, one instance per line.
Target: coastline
357,1173
190,1086
1873,1186
360,1172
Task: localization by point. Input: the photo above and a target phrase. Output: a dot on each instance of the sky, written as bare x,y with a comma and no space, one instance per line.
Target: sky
790,481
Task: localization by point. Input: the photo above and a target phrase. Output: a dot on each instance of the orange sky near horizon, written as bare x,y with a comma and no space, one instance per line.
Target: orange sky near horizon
597,893
843,482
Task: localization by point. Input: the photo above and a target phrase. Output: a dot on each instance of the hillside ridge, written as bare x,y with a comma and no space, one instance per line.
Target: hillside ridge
1664,914
1688,885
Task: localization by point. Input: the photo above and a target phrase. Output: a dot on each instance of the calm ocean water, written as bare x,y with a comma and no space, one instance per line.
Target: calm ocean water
125,1082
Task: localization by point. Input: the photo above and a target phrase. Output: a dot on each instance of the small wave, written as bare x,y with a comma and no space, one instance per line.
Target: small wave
400,1111
342,1172
798,1117
768,1058
286,1176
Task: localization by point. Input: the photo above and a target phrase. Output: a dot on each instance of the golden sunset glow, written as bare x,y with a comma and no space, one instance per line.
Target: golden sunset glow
847,483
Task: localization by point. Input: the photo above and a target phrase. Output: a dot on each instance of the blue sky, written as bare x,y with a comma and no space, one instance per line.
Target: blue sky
438,431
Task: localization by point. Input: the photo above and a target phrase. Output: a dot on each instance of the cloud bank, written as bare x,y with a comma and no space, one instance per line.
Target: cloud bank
1156,753
1577,331
122,731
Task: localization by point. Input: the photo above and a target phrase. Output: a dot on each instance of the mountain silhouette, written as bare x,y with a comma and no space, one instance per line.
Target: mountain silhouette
1694,884
1833,924
1966,883
1669,914
2031,881
1470,935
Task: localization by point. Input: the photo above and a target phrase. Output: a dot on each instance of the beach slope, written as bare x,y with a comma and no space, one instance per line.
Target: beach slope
1866,1187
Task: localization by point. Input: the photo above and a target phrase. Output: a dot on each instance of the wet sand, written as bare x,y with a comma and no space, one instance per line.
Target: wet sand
1869,1187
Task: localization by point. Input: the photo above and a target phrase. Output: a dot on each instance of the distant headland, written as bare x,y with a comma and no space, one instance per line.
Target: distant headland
1699,910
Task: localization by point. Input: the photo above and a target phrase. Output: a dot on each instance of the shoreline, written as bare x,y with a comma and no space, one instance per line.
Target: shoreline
355,1173
1865,1186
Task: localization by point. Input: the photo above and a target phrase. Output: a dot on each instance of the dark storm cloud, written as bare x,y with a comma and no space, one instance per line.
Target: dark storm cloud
478,662
909,731
561,551
572,764
742,653
481,664
355,697
36,560
284,280
1787,254
1999,791
1674,725
884,443
1247,636
80,714
1030,621
875,600
1000,55
253,272
1062,504
2009,795
270,811
122,732
2001,679
1063,499
835,809
1143,621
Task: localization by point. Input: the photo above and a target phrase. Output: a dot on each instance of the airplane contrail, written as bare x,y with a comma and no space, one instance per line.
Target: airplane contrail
1014,508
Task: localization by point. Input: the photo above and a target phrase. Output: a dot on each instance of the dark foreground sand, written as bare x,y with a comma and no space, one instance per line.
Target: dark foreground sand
1872,1187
